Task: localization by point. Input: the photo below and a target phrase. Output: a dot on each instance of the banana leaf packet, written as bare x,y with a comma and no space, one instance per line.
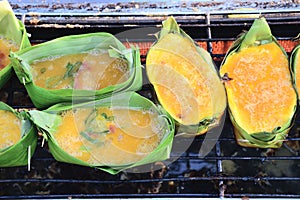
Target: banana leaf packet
19,154
50,121
190,89
259,46
71,45
13,31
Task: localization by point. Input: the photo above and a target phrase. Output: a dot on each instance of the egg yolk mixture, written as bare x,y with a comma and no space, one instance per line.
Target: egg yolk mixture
10,129
87,71
109,136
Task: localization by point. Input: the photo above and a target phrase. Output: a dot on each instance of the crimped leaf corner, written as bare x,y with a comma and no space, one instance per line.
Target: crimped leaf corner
259,33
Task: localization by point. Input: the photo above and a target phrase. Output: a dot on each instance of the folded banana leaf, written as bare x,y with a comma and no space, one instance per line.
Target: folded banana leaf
20,152
260,91
295,66
112,134
185,80
68,69
13,33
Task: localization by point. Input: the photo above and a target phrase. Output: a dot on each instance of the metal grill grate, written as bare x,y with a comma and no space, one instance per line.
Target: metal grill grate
227,171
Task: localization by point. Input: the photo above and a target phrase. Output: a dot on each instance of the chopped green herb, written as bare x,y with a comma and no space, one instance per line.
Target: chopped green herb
108,118
43,70
52,82
87,136
84,148
93,126
104,115
91,117
91,130
102,132
72,69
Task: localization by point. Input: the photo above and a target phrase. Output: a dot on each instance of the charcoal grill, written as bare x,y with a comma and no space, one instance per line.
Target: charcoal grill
227,171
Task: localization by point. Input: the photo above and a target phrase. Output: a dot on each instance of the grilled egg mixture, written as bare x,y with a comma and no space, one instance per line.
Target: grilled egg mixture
5,47
10,129
87,71
109,136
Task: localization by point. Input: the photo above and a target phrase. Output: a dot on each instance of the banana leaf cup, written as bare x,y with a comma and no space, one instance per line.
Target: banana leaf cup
260,91
111,134
77,68
185,80
13,37
18,137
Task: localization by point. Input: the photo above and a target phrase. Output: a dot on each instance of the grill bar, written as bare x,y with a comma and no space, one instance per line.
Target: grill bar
123,196
133,20
219,157
179,179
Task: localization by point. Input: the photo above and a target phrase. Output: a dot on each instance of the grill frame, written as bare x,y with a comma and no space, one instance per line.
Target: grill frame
216,179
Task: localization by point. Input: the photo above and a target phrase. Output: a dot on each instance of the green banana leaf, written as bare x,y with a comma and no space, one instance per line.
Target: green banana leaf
19,153
170,26
43,98
48,120
259,33
262,139
294,62
11,29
